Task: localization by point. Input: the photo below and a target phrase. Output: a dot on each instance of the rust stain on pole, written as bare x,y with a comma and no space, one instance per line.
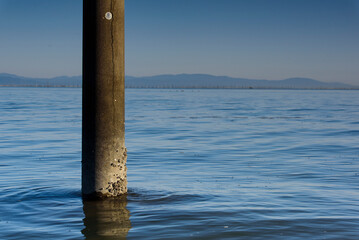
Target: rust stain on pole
103,121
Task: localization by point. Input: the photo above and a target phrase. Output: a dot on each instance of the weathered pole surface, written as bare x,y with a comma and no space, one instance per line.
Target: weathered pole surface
103,115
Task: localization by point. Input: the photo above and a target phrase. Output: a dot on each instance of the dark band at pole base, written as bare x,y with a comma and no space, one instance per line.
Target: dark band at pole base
100,196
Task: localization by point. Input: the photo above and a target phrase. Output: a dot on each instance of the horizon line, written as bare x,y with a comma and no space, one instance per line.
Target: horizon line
176,74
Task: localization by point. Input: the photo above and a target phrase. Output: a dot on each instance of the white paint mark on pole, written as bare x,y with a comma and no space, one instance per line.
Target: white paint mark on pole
108,16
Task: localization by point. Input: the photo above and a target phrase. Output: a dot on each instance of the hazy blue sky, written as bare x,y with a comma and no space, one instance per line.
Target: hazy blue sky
266,39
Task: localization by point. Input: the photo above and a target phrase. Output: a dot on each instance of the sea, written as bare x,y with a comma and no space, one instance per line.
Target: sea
202,164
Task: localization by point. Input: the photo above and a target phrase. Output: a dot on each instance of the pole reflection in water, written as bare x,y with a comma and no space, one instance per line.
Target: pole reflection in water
106,219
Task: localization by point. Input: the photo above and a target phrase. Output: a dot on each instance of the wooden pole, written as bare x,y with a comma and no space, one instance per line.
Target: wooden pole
103,115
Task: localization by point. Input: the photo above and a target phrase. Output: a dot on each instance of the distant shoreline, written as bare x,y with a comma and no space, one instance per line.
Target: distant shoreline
181,81
179,88
40,86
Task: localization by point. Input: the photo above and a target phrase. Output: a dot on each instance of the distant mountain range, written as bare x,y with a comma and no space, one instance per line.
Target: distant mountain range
179,81
210,81
18,81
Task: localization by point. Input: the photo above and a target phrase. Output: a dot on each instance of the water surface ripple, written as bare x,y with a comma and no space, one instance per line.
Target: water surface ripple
202,164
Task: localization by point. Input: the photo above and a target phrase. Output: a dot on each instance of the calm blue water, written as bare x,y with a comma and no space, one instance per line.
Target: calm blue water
202,164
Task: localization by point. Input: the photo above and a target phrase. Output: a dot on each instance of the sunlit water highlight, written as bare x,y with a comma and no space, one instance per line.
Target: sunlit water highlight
203,164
